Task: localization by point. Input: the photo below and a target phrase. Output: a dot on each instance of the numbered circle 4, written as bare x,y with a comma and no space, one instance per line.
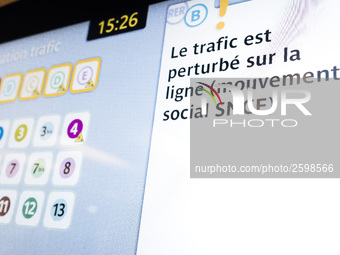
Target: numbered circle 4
5,204
46,130
29,208
12,168
20,133
75,128
59,209
38,168
67,167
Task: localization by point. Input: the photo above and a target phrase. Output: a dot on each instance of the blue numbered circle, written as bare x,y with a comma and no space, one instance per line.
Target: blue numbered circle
59,209
196,15
1,132
9,88
46,130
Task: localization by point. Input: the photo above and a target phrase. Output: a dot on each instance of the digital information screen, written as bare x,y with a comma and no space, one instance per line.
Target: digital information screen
183,127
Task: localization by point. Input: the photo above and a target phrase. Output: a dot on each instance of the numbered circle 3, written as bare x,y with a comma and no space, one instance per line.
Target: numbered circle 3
20,133
46,130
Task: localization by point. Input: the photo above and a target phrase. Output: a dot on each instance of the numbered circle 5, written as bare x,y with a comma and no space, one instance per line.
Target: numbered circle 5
46,130
59,209
12,168
29,208
20,133
5,204
75,128
67,167
38,168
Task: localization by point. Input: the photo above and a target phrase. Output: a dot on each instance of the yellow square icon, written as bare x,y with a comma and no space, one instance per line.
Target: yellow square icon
10,87
32,84
57,80
85,75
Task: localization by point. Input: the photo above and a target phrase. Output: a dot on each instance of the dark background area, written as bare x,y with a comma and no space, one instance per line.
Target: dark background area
28,17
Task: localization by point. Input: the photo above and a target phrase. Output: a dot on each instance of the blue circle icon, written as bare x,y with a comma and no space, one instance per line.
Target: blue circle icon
1,132
196,15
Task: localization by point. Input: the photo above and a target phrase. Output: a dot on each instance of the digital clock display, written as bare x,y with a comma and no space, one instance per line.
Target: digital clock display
117,23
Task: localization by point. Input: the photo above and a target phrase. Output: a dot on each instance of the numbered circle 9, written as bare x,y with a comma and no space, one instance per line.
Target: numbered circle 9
12,168
4,131
21,133
67,168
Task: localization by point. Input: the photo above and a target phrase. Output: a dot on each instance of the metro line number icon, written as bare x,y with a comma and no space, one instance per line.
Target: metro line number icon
196,15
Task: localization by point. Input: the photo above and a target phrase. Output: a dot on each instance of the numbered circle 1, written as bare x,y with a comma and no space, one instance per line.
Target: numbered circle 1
29,208
12,168
38,168
75,128
5,205
59,209
20,133
67,167
46,130
1,132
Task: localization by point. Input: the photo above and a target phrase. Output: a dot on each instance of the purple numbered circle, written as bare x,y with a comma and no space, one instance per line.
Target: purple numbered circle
67,167
75,128
12,168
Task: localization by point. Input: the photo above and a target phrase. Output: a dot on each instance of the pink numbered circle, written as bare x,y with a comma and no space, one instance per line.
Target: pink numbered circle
67,167
12,168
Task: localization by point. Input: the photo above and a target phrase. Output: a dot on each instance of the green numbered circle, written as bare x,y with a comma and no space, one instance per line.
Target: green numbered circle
38,168
29,208
20,133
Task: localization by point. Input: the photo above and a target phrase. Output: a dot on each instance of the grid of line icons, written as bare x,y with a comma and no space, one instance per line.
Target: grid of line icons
30,86
38,168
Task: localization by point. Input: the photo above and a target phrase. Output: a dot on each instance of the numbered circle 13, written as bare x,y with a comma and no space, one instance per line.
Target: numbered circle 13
59,210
